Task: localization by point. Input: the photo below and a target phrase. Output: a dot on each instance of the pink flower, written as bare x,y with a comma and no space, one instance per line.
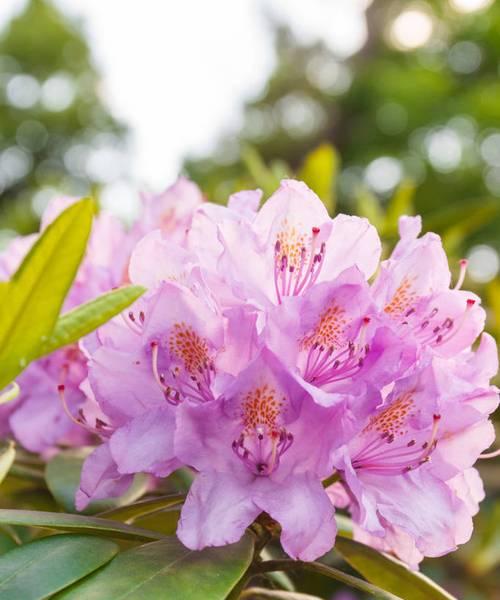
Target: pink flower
412,290
171,348
332,338
289,245
38,419
408,470
170,211
263,446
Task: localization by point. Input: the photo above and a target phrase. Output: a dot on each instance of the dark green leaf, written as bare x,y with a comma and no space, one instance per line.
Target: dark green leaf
41,568
373,591
35,294
389,573
76,523
167,569
89,316
62,475
143,508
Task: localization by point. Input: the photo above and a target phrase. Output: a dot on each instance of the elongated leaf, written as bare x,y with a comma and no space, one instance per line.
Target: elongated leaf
7,455
368,205
40,569
400,204
167,569
389,573
76,523
143,508
262,175
34,297
89,316
319,172
165,521
373,591
256,593
62,475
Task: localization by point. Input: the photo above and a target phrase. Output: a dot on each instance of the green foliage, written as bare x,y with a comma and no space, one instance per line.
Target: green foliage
35,294
319,171
31,301
41,134
40,569
62,475
131,512
76,323
389,573
77,524
167,569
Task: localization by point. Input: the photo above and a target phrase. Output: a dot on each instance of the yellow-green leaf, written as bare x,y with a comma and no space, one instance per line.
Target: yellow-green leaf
83,319
388,573
35,294
319,172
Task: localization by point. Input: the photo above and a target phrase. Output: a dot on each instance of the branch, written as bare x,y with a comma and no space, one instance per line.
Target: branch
321,569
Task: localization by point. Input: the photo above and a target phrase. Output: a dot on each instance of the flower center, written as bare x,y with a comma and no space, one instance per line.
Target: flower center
297,260
263,440
426,324
189,368
388,447
329,356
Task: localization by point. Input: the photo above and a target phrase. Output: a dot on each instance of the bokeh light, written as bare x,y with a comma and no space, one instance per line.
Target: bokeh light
411,29
484,263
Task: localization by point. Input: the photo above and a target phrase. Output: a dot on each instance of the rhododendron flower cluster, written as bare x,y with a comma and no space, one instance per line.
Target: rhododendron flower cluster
293,372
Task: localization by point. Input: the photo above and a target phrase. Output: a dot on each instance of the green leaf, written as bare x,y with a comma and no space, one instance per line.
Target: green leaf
167,569
373,591
479,216
367,205
7,455
35,294
41,568
389,573
83,319
145,507
319,172
262,175
400,204
62,475
256,593
76,523
164,521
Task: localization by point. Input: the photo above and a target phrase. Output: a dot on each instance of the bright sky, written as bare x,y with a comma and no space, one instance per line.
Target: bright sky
178,71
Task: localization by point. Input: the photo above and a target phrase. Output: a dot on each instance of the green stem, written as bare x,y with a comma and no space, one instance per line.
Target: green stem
334,477
319,568
26,473
10,393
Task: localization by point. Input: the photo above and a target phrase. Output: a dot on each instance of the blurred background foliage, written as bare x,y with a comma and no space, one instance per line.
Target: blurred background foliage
408,125
55,131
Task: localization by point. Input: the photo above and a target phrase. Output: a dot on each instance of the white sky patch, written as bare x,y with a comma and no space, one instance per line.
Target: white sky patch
178,72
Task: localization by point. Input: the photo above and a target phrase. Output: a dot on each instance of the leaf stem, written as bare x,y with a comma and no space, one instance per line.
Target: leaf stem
334,477
26,473
321,569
